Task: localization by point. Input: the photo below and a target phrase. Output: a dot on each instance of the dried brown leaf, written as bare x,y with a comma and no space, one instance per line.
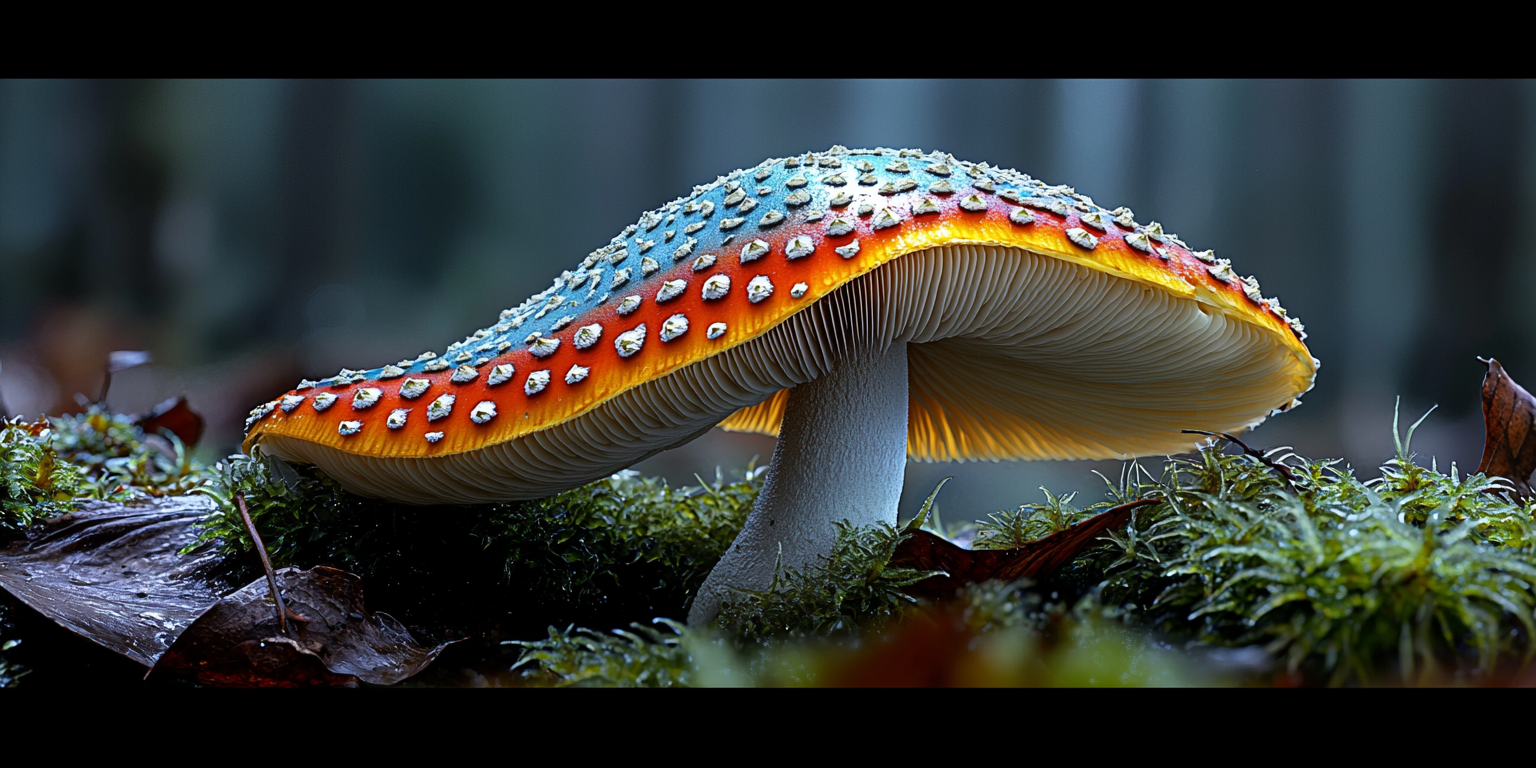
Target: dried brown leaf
1509,413
238,643
927,551
175,415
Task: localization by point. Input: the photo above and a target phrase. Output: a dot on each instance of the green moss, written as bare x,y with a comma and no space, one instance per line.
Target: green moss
46,466
1007,529
119,461
617,549
1415,577
815,622
641,657
1007,634
851,594
852,591
35,483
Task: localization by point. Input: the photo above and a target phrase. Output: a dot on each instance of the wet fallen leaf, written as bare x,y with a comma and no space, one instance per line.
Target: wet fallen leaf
113,574
238,642
175,415
927,551
1509,412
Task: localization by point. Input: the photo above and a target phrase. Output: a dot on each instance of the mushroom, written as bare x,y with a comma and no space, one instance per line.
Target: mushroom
865,306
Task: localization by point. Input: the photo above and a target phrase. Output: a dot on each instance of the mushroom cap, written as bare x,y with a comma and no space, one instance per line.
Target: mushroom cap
1045,327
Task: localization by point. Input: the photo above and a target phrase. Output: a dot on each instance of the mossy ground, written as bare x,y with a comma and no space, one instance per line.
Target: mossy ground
1239,575
611,551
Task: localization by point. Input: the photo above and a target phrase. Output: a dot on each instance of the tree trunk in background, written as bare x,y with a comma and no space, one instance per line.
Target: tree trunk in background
315,191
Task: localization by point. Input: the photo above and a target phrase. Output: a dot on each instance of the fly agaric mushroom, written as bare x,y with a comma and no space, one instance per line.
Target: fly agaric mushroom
866,306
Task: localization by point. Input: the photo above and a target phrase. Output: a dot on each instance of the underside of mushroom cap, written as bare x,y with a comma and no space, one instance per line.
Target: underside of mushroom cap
1042,326
1018,355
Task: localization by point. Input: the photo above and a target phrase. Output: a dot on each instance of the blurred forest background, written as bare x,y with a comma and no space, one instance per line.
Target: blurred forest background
249,233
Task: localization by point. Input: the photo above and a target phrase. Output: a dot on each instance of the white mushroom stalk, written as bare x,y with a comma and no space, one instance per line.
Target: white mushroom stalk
840,455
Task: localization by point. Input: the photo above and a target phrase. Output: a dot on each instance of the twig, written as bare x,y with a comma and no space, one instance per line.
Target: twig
283,614
106,385
1284,472
120,360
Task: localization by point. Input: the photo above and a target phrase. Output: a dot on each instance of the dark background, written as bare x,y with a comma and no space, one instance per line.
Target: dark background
252,232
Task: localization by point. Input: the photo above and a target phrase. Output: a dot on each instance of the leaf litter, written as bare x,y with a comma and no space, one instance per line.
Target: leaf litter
956,566
333,640
116,575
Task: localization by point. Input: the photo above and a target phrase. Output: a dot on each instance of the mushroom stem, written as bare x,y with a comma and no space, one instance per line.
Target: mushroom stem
841,452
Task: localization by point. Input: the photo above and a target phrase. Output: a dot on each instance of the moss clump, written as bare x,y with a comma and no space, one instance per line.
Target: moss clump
660,656
46,466
1415,577
1005,634
853,591
613,550
1007,529
119,461
35,483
